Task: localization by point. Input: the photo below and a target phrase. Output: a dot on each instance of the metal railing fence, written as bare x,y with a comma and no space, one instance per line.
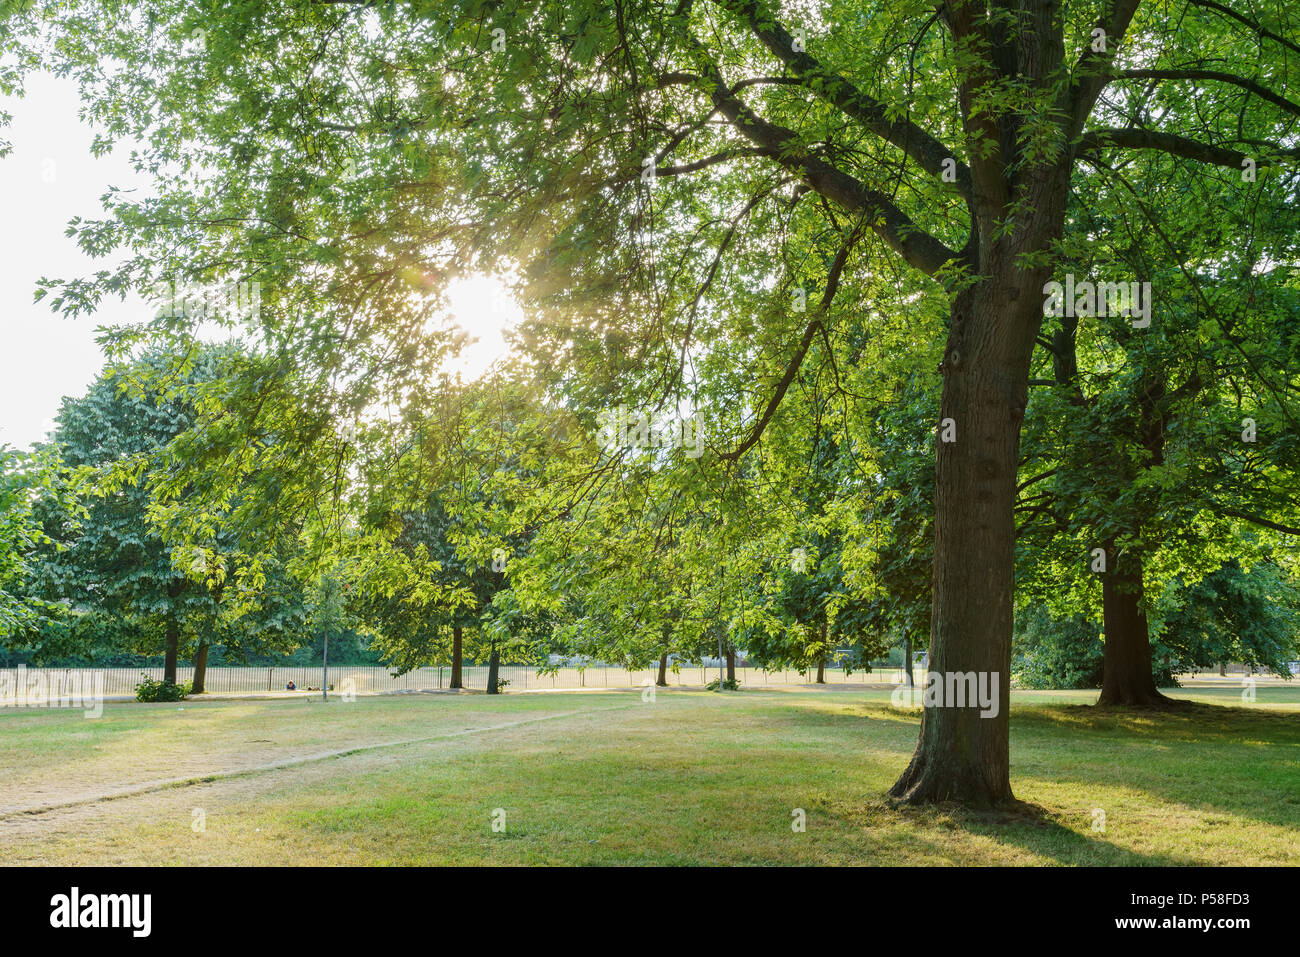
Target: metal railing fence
363,679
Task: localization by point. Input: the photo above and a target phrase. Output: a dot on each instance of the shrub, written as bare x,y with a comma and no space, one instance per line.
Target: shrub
731,684
165,690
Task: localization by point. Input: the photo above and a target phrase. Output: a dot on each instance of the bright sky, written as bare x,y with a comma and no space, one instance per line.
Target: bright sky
484,307
49,178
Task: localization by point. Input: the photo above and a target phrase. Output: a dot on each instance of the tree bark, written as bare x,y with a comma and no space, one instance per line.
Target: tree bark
662,680
494,667
1223,669
963,755
1127,680
173,646
457,655
821,658
731,664
907,661
200,667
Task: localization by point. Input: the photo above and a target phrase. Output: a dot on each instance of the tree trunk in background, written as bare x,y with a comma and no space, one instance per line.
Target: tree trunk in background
1223,669
494,666
200,667
821,659
1127,680
1126,671
731,664
173,645
662,680
457,633
907,661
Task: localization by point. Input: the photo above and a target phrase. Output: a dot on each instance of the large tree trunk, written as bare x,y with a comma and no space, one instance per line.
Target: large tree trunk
1126,676
731,664
964,755
200,667
173,646
457,655
662,680
494,668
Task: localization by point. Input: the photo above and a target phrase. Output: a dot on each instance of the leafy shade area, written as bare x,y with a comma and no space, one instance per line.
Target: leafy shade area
692,778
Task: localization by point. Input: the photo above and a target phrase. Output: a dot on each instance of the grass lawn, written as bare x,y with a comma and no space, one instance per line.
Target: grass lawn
603,777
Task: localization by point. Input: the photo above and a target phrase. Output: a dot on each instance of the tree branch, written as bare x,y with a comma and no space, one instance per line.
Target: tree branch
925,149
915,245
708,161
782,385
1139,139
981,126
1256,520
796,361
1092,69
1261,91
1211,5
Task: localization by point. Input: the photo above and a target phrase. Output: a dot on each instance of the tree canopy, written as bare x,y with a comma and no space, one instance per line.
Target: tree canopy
938,294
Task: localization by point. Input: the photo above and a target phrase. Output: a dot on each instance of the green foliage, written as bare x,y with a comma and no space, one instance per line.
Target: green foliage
114,556
1233,614
1050,653
30,486
788,277
164,690
110,559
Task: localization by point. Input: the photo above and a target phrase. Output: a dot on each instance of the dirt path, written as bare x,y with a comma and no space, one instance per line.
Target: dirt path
8,813
99,826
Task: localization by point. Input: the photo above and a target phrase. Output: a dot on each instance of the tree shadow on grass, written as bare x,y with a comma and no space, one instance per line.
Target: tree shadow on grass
1205,758
1040,831
1224,760
1189,722
1019,824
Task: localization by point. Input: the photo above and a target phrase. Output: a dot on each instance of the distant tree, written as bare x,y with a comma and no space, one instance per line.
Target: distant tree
426,598
122,559
439,508
1233,614
1230,615
1155,452
112,560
